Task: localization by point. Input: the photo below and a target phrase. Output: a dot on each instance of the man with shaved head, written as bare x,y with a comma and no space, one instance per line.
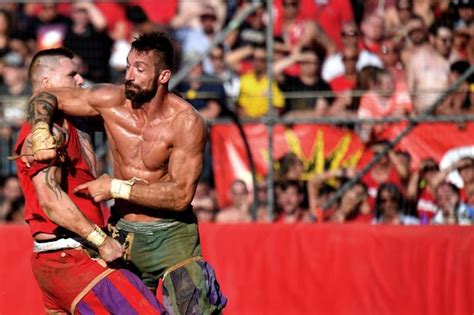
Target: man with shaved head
70,248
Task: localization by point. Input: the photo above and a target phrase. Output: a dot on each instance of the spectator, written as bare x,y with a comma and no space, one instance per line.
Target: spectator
48,28
344,84
299,32
381,100
204,92
239,210
390,169
389,207
309,80
422,187
290,167
10,193
221,69
320,190
462,100
373,31
330,14
254,88
16,213
252,32
415,37
451,210
390,56
289,200
396,18
196,40
204,203
352,206
465,168
333,65
428,68
14,90
87,37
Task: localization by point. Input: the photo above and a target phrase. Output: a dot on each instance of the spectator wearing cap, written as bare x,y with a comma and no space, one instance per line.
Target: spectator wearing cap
15,76
196,40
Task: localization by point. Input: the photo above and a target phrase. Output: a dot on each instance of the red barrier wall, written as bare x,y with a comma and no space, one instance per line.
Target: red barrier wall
306,269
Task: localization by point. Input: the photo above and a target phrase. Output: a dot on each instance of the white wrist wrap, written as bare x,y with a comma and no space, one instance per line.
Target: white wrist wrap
96,237
121,188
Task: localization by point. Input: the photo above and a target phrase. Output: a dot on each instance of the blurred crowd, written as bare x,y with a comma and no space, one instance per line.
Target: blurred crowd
339,58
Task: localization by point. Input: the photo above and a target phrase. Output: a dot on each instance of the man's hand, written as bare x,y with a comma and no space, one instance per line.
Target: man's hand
99,189
110,250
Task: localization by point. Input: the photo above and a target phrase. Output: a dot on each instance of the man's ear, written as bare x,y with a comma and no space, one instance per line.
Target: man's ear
164,76
44,83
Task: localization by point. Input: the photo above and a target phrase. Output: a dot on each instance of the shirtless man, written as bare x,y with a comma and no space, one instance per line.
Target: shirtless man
156,141
428,68
61,222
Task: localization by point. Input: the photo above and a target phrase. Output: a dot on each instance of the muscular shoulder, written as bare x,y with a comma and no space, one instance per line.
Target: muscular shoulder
187,118
106,95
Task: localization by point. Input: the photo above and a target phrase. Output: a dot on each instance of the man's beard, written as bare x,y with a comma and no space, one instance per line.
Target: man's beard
139,96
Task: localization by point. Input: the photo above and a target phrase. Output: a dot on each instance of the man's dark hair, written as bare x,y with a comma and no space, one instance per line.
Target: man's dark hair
53,52
158,42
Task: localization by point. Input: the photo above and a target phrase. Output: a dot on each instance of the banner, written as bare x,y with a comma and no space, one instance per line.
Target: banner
322,147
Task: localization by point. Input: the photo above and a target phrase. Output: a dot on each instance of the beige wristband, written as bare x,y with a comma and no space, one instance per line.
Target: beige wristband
121,188
41,137
96,237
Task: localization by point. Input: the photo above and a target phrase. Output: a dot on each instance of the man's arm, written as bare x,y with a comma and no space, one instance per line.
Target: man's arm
72,101
61,210
175,191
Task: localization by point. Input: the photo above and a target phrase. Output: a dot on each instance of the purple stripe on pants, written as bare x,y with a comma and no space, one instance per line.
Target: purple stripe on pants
109,296
133,279
83,308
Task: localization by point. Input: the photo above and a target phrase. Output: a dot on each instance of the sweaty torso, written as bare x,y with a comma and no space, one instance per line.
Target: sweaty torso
140,146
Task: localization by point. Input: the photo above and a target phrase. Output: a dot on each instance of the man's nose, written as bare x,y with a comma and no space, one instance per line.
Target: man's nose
79,80
129,75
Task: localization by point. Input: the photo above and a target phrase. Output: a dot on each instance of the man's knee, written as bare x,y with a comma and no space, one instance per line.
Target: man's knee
193,289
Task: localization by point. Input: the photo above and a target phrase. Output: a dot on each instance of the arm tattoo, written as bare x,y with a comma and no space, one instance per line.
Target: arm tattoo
98,86
51,183
41,107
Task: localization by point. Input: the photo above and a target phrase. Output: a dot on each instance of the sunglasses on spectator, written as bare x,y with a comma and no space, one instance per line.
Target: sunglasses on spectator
349,34
415,30
208,17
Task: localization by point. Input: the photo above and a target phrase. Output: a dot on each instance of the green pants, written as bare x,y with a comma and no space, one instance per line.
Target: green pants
171,250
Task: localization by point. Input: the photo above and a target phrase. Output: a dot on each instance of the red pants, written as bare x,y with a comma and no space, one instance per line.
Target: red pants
72,282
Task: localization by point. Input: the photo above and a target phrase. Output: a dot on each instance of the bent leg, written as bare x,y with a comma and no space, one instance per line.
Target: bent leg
193,289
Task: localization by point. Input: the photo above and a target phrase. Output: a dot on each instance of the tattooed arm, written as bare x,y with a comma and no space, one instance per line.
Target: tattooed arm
72,101
61,210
